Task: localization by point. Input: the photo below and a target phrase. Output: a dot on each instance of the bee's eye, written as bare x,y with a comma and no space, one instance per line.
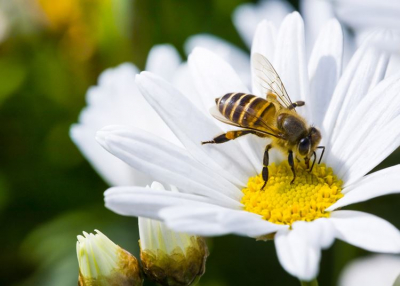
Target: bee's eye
304,146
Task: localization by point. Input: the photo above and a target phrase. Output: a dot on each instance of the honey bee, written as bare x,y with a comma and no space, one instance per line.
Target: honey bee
274,117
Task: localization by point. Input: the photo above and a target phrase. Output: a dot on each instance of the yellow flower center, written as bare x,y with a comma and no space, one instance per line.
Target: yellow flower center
284,203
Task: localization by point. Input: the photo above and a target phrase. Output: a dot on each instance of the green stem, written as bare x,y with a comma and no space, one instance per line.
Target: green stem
311,283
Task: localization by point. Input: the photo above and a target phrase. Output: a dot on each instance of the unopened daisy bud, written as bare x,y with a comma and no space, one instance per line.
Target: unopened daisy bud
170,258
103,263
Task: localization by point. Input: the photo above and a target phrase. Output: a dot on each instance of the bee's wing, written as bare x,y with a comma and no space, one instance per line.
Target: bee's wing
268,80
269,130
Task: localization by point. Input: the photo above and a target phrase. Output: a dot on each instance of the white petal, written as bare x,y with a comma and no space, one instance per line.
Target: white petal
364,14
377,184
213,220
247,16
236,57
321,232
290,59
183,81
112,169
375,151
366,231
372,270
299,249
115,100
370,134
316,14
394,64
263,43
389,44
324,69
349,47
163,60
145,202
365,70
166,162
214,78
191,126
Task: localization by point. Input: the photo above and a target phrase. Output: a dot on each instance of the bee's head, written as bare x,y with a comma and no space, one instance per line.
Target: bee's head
309,143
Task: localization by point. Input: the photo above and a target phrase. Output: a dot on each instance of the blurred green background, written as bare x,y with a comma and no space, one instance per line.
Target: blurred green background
50,53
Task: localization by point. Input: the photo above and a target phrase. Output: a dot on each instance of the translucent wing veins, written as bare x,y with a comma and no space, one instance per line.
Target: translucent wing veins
268,80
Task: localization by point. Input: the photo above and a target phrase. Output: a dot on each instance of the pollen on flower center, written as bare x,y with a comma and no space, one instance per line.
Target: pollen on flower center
284,203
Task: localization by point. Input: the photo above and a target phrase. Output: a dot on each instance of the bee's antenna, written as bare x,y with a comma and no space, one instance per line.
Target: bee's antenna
322,154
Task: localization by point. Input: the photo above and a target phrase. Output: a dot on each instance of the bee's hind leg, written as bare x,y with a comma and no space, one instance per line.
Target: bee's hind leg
230,135
291,163
264,171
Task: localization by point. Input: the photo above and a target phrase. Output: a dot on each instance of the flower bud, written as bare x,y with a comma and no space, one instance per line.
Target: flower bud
103,263
170,258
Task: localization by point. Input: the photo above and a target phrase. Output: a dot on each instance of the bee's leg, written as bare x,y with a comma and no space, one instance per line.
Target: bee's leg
296,104
264,171
307,162
313,163
230,135
322,154
291,163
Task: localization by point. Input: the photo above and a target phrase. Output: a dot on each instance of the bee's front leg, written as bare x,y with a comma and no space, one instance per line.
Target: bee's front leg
291,163
307,162
230,135
264,171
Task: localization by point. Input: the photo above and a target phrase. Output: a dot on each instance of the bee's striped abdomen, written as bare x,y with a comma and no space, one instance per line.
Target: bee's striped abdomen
227,103
245,109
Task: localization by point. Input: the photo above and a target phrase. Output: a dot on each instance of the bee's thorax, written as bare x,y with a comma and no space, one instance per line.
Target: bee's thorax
293,126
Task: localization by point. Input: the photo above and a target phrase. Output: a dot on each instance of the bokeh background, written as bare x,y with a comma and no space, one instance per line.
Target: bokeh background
50,53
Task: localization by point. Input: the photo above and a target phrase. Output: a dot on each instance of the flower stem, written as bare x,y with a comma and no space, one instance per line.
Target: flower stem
311,283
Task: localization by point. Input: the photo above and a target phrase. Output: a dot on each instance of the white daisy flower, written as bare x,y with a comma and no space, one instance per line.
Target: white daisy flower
102,262
382,270
357,113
